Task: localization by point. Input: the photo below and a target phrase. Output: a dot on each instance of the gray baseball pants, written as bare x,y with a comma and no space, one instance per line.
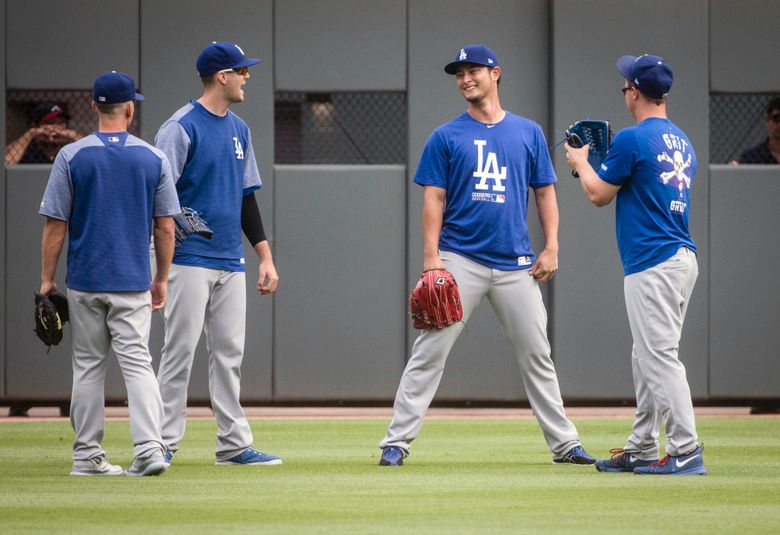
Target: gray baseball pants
517,302
213,299
118,321
656,300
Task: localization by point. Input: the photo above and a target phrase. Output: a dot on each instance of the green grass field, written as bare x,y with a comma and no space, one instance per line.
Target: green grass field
464,476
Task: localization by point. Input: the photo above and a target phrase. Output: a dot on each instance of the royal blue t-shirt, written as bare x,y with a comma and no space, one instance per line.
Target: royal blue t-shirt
214,166
654,163
109,187
487,170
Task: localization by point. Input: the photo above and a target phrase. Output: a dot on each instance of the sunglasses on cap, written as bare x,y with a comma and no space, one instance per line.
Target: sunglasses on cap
241,71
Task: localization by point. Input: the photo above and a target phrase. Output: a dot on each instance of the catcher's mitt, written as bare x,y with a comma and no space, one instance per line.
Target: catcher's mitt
435,301
51,312
189,222
595,133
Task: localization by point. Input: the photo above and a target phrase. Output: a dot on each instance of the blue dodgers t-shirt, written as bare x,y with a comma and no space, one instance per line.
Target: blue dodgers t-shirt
214,167
487,170
655,163
109,187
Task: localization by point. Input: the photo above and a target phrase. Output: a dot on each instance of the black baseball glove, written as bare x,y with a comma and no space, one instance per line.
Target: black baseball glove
189,222
595,133
51,313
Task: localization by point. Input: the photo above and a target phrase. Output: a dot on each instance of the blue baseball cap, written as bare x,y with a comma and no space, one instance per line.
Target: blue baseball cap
479,54
114,87
650,74
221,55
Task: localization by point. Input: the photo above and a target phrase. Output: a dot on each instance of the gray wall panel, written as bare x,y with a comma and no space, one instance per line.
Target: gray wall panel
73,43
169,82
745,295
337,45
744,45
591,337
31,372
341,305
516,31
481,365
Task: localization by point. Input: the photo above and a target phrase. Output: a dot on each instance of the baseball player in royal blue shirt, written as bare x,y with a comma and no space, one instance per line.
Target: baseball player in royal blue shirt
650,169
110,192
216,174
476,172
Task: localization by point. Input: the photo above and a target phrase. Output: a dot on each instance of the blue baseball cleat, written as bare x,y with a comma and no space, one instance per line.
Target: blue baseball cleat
252,457
621,461
392,456
576,455
691,463
168,456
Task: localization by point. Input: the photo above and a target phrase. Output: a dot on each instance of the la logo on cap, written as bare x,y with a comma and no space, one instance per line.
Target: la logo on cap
463,55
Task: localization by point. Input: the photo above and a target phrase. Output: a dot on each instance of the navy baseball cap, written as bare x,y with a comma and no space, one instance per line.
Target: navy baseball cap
650,74
479,54
221,55
114,87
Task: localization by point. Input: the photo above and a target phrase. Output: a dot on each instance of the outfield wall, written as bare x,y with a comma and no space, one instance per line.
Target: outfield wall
346,238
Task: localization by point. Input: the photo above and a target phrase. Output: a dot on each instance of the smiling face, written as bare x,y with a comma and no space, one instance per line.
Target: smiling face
476,82
234,82
631,97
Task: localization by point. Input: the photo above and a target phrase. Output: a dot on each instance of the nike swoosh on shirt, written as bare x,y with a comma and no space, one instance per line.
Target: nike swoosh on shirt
490,125
680,464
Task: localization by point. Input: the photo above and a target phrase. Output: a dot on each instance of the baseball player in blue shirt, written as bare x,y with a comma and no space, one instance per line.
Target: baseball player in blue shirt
216,174
650,169
110,192
476,171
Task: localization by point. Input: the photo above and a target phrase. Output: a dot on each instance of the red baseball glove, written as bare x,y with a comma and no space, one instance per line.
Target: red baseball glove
435,301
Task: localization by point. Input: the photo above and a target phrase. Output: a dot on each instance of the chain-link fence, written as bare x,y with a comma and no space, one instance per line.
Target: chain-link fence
737,123
325,128
39,122
340,128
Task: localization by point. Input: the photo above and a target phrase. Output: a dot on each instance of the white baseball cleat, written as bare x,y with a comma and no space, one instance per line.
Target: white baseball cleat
96,466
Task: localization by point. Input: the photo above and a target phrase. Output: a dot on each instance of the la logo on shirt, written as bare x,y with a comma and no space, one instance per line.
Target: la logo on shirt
239,150
488,169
